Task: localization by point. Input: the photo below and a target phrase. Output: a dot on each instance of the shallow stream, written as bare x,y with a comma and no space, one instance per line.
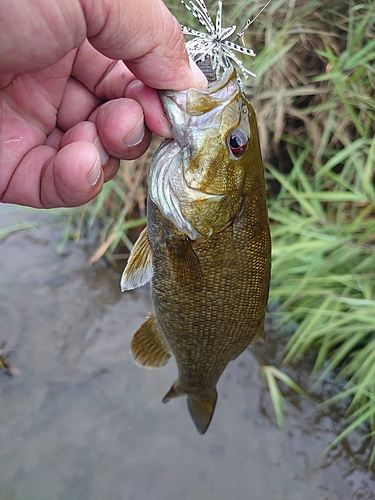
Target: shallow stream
81,421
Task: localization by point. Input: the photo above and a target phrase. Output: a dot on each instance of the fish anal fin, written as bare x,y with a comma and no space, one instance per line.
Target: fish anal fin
201,409
148,346
174,392
138,270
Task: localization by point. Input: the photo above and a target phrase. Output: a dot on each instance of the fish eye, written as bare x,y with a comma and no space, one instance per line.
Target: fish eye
237,141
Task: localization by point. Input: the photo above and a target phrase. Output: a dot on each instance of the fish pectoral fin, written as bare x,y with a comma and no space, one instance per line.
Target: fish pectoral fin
138,270
148,346
201,409
187,265
174,392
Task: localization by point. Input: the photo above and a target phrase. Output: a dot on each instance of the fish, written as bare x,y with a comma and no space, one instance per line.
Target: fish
206,249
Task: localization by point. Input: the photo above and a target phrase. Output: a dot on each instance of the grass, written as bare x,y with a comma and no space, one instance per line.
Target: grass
271,375
13,220
315,99
323,217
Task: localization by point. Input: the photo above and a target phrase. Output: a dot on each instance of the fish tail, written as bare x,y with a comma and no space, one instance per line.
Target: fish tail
201,409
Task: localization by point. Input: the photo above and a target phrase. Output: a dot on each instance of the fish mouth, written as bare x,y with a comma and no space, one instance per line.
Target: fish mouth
180,179
196,118
217,89
193,109
199,119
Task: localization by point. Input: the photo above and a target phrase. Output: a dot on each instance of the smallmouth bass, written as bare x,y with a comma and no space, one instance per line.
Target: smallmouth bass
206,249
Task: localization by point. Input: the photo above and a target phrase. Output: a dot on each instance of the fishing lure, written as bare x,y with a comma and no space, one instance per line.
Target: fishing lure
216,43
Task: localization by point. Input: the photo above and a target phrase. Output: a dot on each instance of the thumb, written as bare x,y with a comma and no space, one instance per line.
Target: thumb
70,177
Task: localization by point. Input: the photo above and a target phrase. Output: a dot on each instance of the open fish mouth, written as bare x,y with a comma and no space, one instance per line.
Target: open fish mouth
181,173
197,170
199,110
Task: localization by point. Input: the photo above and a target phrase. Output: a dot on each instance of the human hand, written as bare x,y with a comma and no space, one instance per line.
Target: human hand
70,108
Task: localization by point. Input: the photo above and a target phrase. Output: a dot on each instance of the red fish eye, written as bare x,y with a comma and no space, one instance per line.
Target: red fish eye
237,141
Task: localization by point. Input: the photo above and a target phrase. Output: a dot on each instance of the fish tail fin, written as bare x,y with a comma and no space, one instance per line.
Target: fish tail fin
201,409
174,392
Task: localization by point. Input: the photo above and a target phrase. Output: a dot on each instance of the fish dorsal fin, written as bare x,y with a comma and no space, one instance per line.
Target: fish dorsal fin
174,392
148,346
201,409
138,270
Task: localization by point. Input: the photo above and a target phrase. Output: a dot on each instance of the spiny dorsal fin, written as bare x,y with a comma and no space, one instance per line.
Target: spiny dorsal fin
148,346
201,410
138,270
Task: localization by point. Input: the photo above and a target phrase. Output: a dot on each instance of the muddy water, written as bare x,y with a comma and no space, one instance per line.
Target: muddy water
82,421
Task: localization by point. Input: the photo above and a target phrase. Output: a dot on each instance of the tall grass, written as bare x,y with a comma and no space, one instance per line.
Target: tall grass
323,218
315,99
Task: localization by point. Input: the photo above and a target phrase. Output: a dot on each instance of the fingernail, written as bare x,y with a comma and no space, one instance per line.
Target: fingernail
102,152
136,135
94,175
199,75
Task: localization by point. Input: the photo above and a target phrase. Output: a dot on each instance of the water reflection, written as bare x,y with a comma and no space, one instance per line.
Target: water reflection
82,421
